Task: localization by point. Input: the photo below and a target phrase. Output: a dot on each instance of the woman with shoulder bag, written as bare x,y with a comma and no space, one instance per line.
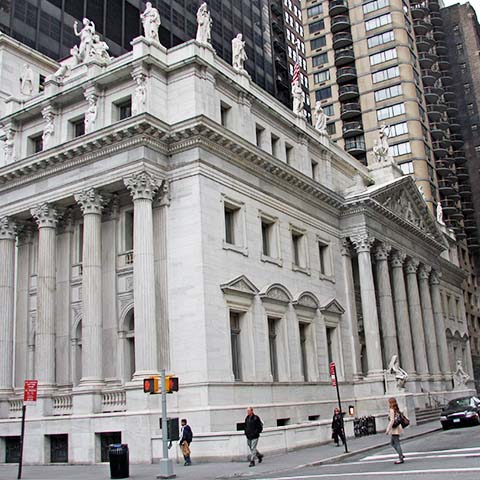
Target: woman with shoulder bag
395,428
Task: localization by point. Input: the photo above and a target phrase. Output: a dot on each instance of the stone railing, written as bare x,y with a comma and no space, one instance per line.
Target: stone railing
62,404
15,408
125,260
114,401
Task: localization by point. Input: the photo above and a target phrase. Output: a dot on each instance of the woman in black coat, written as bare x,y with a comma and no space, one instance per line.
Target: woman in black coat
337,427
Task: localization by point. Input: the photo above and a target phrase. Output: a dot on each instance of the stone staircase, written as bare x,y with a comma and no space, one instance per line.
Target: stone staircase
427,414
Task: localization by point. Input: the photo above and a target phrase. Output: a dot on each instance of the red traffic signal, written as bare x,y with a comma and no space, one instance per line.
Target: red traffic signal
171,384
150,385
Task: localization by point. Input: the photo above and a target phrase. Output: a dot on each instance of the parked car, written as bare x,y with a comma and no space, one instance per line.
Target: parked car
461,411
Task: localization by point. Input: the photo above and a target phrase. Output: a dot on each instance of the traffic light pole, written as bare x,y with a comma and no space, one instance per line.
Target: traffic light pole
166,464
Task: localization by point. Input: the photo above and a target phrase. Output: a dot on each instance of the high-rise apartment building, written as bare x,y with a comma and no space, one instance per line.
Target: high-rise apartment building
271,31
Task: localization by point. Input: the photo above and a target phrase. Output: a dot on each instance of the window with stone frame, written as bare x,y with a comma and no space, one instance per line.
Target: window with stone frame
273,346
77,127
35,144
128,220
299,249
324,258
234,226
123,109
303,331
235,340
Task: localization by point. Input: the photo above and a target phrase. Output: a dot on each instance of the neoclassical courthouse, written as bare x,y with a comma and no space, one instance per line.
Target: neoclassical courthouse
159,210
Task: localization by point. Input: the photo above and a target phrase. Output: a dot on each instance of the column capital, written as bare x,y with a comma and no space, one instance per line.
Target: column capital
141,186
411,266
346,247
90,201
25,232
435,277
424,271
362,242
382,251
8,228
397,259
45,215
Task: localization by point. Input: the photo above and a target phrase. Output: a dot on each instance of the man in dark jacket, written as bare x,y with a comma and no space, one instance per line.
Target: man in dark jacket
337,427
253,429
186,437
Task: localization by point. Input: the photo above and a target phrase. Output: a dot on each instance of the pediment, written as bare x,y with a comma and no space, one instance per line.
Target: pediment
333,307
306,300
240,285
276,293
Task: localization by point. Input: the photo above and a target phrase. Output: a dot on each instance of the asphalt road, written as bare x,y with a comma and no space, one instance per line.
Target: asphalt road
454,454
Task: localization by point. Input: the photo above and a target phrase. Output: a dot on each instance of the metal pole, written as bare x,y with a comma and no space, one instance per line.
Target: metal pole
166,464
341,412
20,462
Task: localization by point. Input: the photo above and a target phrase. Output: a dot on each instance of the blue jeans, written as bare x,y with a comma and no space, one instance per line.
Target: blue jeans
252,445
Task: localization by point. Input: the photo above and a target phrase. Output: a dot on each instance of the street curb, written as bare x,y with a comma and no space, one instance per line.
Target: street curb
327,461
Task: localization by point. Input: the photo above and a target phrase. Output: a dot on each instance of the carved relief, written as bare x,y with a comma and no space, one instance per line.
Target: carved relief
8,228
401,205
240,285
307,300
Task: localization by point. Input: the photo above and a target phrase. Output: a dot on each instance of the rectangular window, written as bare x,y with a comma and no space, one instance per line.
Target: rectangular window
329,110
225,111
391,111
400,149
322,76
230,214
269,238
331,128
289,154
272,342
386,74
407,168
384,56
316,26
318,42
79,242
319,60
299,250
128,230
323,254
275,145
303,327
378,22
330,347
235,341
388,92
78,127
58,448
323,93
380,39
315,170
124,109
398,129
35,144
375,5
315,10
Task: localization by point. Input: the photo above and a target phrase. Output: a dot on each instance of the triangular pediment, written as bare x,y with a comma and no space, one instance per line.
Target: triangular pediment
333,306
240,285
403,199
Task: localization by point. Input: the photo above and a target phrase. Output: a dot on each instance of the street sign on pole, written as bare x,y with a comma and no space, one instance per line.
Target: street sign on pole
30,388
333,376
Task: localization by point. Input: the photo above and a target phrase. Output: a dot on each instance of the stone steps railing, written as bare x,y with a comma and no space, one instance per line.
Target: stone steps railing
114,401
62,404
15,408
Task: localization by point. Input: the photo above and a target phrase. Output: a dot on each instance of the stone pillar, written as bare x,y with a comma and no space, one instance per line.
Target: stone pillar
142,187
91,203
404,332
428,323
416,321
350,309
387,314
362,244
46,217
7,302
439,321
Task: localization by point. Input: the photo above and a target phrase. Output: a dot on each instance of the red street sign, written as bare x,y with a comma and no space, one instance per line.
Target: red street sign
332,374
30,391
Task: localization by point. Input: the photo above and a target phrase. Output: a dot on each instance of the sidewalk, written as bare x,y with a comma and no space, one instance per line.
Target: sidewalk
222,470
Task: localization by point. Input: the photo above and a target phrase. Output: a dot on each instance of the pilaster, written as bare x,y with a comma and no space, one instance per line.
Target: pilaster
439,322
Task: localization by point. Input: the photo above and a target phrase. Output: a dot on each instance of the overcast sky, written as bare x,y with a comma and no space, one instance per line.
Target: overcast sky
474,3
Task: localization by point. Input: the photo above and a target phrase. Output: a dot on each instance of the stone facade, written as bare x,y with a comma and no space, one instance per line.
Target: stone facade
216,235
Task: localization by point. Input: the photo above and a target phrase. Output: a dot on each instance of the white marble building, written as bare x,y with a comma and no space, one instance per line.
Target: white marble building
161,210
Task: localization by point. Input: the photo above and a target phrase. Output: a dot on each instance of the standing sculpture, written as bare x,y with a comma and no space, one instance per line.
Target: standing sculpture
26,81
91,114
239,55
381,148
204,22
321,119
460,377
9,146
297,94
139,95
151,22
99,50
394,368
440,214
86,35
49,129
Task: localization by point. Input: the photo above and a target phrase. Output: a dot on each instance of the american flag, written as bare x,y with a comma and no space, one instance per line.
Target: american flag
296,73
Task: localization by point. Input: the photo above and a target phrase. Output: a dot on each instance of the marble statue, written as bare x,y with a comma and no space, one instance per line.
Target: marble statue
394,368
151,22
460,377
26,81
380,148
86,35
48,130
204,22
440,214
99,50
321,119
91,114
139,98
297,94
239,55
62,72
9,146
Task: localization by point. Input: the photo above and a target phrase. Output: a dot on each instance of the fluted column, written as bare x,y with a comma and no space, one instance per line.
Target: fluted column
439,322
387,314
362,244
428,323
404,332
91,203
7,299
142,187
46,217
416,321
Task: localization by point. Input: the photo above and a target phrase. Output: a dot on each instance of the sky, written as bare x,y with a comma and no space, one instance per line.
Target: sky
474,3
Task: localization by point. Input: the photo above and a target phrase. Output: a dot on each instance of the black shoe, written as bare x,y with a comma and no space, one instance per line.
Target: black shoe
260,458
251,464
399,461
186,464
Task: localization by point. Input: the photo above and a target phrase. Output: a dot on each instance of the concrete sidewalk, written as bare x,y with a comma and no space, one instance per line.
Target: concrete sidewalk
221,470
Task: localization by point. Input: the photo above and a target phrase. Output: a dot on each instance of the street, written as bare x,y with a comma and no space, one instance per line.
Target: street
451,454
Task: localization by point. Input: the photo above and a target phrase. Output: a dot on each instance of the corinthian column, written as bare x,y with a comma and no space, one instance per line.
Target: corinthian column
416,320
439,322
91,203
46,217
142,187
428,323
362,244
387,315
7,299
401,313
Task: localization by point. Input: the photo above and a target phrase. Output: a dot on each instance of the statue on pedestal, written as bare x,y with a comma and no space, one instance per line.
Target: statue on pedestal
400,374
380,148
239,56
321,119
86,35
26,80
204,22
297,94
151,22
460,377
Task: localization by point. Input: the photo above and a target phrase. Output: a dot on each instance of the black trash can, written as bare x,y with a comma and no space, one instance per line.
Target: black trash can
119,461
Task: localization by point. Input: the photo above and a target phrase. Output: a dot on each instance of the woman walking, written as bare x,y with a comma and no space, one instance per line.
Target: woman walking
394,428
337,427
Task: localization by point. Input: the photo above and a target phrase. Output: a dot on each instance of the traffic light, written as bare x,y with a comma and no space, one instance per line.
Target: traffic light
150,385
171,384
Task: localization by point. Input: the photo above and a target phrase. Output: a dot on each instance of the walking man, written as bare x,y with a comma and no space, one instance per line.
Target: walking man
253,429
186,437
